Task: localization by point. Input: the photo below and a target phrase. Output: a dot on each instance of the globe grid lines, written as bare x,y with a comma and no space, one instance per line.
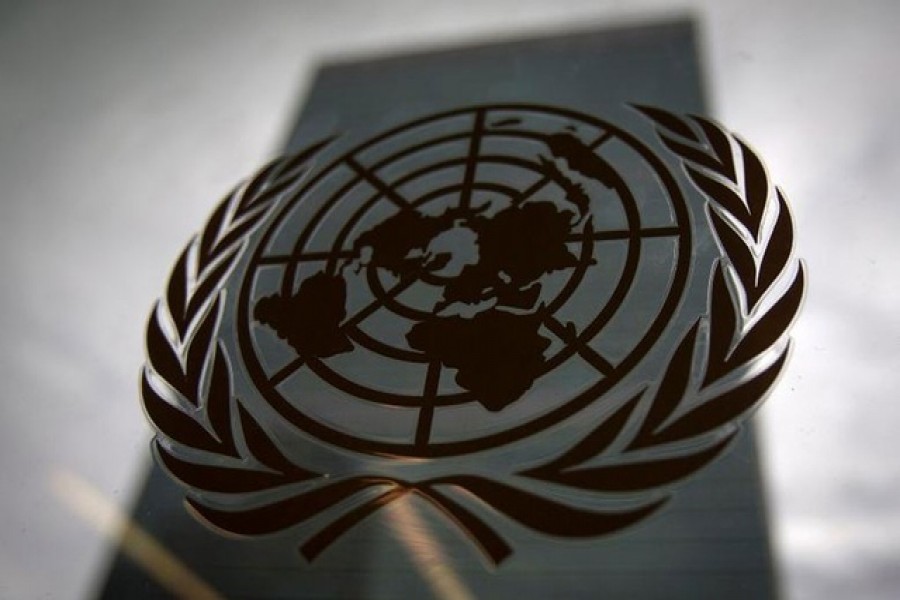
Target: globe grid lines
427,401
385,190
388,299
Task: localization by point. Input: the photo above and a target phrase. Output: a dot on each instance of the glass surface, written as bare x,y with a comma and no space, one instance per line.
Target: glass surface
121,125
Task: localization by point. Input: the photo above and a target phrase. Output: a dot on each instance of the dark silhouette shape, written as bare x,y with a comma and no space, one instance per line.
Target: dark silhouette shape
581,158
310,320
519,298
394,239
574,192
498,354
516,247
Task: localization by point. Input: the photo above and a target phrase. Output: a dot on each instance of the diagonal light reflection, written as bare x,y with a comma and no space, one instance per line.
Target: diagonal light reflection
88,503
426,553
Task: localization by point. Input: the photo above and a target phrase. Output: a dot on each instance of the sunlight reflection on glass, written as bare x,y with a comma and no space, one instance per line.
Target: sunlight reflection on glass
83,499
425,551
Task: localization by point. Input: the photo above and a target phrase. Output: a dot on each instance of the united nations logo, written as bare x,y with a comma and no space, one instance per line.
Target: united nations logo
486,283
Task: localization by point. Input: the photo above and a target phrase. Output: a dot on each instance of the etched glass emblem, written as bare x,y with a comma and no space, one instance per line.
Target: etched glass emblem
478,280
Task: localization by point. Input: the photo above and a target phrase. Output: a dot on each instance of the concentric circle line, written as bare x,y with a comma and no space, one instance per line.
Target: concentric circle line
278,259
453,137
489,186
625,234
413,149
461,161
288,281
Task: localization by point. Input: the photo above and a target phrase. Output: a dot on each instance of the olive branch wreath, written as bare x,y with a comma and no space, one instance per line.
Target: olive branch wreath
713,378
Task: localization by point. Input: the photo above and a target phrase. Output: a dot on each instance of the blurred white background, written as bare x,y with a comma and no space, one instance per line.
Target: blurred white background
122,122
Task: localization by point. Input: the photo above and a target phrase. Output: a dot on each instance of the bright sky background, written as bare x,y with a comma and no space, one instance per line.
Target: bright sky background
112,151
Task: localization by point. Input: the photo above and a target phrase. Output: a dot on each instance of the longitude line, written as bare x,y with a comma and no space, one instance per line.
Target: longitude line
465,198
426,411
585,351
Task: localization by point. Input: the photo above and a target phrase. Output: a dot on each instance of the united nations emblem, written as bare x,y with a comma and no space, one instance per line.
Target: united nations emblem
505,309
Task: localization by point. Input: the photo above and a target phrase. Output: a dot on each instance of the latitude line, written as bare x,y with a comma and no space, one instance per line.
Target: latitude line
289,369
379,185
277,259
426,411
465,198
586,352
624,234
545,179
